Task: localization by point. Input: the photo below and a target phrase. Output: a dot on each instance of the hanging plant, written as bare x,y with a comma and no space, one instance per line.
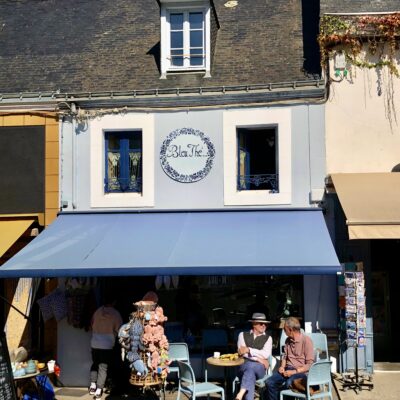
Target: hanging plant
353,33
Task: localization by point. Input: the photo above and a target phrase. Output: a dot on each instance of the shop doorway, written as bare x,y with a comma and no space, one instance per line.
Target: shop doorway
381,315
385,279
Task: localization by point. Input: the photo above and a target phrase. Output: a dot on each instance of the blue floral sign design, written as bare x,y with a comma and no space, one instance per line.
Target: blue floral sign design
187,155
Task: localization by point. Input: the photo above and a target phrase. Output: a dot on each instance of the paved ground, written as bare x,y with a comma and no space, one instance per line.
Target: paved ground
82,394
386,382
386,387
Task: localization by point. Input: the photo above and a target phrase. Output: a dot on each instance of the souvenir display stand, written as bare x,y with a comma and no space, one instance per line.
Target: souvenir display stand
145,347
353,326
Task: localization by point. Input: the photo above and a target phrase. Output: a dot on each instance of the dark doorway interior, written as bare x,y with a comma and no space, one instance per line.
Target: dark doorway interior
385,257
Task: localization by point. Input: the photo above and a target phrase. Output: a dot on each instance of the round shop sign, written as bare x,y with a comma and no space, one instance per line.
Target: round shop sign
187,155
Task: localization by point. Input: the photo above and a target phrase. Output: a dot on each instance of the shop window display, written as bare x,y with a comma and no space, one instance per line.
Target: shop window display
144,344
224,302
227,301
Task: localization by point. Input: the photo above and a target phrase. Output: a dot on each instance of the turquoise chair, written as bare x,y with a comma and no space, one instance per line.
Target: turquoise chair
320,343
177,352
193,389
318,375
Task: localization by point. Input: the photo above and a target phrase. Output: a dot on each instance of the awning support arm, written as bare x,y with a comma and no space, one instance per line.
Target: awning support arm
15,308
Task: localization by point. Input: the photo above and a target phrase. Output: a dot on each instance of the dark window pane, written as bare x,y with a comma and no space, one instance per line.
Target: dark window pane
176,21
113,142
196,57
258,160
196,39
196,20
176,40
177,58
135,141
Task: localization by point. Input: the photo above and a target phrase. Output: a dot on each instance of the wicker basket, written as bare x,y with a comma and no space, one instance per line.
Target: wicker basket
149,380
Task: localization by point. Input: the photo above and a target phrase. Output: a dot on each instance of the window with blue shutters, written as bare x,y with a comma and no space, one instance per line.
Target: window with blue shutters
123,161
257,159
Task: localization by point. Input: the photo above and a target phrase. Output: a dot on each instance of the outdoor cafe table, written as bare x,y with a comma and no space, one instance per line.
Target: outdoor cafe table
40,387
226,364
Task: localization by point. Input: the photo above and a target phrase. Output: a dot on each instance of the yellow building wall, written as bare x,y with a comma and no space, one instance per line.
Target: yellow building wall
51,157
16,325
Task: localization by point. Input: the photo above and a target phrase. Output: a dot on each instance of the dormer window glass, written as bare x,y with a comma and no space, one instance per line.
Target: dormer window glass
185,37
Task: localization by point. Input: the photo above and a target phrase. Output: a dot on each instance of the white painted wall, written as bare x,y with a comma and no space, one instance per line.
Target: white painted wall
73,354
302,159
362,134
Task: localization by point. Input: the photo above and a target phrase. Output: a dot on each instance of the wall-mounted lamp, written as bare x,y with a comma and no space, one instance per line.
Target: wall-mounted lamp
34,232
73,108
340,60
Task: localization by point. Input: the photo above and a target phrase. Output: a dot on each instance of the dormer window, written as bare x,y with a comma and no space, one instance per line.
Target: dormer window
185,36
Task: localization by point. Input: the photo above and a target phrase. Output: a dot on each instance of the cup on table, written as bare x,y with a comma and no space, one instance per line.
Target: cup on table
50,365
217,354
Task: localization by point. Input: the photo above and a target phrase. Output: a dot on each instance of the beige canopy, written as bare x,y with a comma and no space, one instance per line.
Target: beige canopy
371,202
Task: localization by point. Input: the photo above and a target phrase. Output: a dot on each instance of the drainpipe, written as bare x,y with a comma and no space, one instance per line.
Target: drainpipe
74,163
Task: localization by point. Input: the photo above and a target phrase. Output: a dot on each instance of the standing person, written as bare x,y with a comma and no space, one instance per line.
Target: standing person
297,359
255,347
105,324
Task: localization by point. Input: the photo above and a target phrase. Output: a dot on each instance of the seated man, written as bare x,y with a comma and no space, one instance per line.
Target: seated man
255,347
296,360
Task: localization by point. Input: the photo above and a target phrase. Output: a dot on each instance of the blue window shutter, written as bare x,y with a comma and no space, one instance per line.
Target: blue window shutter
124,172
122,181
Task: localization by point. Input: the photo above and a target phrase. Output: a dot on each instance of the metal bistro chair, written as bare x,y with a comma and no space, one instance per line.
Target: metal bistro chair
320,343
319,375
177,352
193,389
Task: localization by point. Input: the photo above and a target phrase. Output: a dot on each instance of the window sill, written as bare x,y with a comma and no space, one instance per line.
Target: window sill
186,72
256,198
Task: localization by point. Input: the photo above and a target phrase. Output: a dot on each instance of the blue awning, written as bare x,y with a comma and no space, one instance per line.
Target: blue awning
179,243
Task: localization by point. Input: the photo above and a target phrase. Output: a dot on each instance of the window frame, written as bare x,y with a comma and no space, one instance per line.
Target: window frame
257,118
270,127
124,151
143,122
186,7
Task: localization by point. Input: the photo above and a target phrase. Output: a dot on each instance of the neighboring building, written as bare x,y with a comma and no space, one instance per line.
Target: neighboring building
192,144
362,149
29,201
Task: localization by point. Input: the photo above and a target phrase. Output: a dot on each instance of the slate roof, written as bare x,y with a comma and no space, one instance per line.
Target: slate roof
359,6
104,45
